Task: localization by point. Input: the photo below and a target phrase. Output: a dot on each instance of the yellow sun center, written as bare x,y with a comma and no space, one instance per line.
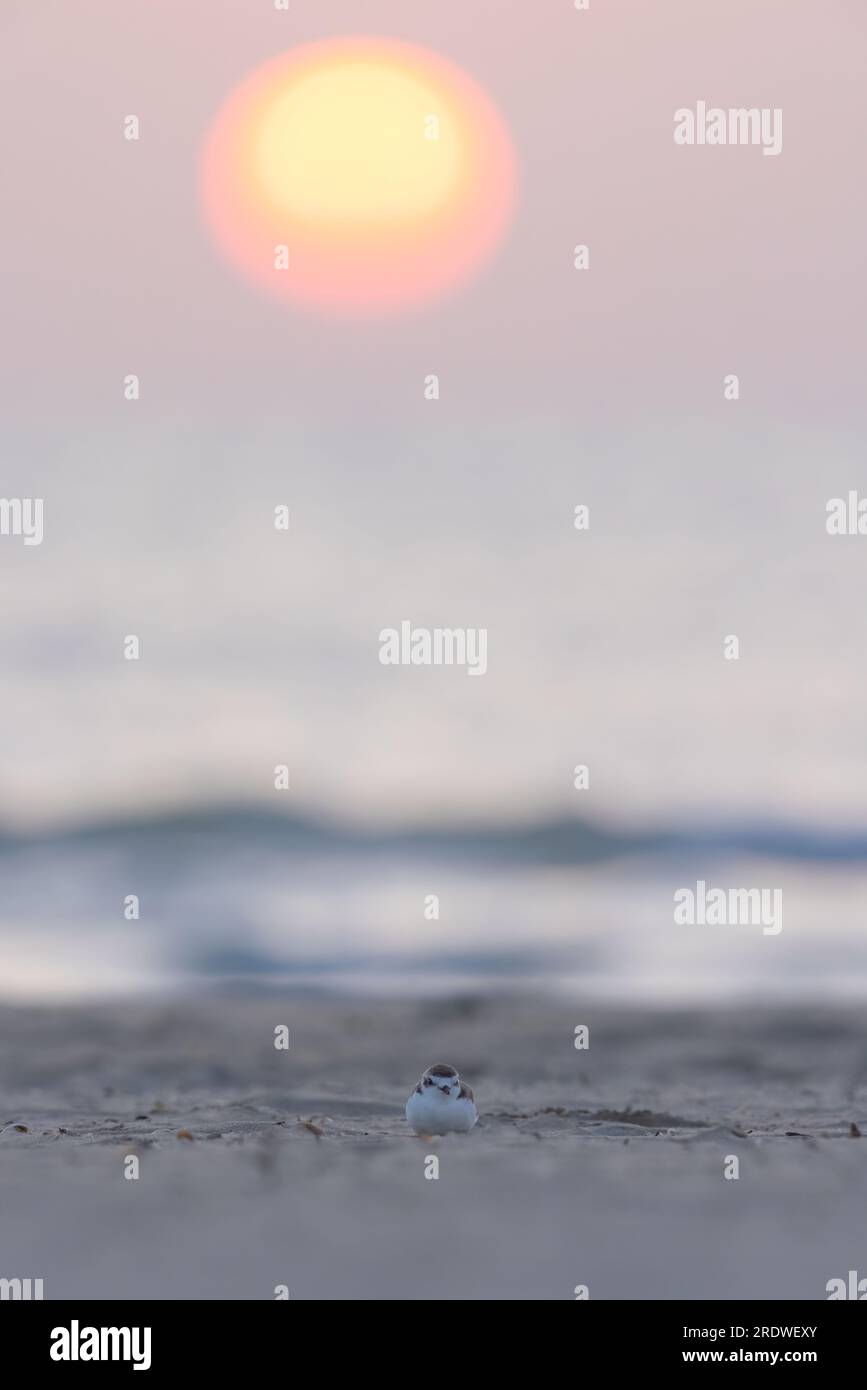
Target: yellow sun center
358,142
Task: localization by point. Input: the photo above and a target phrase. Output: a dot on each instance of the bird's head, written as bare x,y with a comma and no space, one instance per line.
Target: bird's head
445,1078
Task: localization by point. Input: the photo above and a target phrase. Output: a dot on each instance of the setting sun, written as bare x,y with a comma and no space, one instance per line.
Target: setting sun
382,169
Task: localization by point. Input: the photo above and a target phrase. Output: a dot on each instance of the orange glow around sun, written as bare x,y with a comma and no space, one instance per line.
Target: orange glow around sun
384,171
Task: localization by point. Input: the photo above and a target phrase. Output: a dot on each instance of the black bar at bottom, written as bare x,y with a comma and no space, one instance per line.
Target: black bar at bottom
160,1337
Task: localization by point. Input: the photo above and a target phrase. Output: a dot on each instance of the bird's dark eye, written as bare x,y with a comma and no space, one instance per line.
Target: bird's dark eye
427,1081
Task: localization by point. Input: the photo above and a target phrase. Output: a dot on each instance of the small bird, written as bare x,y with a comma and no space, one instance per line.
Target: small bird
441,1103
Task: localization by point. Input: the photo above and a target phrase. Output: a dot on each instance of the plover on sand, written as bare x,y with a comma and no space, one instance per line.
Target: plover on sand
441,1103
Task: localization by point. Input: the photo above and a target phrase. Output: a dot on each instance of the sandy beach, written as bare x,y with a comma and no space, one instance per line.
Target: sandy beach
261,1167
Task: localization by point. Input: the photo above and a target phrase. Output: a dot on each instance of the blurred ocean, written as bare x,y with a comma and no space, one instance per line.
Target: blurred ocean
246,899
260,648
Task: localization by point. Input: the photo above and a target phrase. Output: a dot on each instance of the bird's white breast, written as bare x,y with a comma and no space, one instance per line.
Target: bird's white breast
430,1112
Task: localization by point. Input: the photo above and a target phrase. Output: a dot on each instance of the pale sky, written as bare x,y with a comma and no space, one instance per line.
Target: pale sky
557,387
